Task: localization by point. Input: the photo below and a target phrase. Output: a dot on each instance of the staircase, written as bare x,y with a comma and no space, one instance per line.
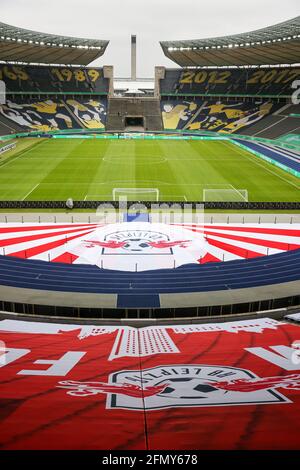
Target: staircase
9,127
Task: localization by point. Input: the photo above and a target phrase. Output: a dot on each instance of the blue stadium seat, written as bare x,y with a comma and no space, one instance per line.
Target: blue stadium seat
238,274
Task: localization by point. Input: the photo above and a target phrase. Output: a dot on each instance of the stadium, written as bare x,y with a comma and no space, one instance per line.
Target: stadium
150,244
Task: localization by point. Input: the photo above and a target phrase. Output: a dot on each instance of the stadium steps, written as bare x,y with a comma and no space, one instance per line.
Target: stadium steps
289,109
115,115
9,127
120,108
152,113
80,125
260,126
276,125
115,123
198,112
285,126
282,111
297,131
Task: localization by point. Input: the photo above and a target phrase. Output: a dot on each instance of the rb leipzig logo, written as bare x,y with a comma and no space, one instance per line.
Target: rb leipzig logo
177,386
140,247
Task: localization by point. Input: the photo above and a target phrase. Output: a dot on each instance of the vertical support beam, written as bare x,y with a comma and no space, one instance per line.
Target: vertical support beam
160,73
108,72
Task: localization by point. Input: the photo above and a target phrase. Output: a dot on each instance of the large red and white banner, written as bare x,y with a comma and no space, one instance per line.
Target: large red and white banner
141,246
216,386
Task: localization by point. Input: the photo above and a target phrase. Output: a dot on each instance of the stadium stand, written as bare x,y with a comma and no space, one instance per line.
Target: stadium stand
262,125
251,82
233,282
280,123
54,113
43,79
45,98
8,127
212,115
280,128
267,82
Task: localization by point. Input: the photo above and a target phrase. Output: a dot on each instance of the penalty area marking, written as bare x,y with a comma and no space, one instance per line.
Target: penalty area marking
98,197
106,197
173,198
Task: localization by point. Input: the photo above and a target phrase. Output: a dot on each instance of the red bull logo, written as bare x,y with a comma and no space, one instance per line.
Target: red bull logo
289,382
137,244
140,247
185,386
85,389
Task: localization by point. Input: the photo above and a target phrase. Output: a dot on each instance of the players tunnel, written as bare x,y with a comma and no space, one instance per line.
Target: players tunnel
134,122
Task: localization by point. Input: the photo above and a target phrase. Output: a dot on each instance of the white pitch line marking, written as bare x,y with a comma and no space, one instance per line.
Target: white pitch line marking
15,158
267,169
31,191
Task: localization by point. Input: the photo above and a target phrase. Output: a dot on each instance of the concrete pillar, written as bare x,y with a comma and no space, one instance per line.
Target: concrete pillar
159,74
108,72
133,58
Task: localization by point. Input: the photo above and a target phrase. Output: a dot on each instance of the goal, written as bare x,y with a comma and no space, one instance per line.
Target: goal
225,195
136,194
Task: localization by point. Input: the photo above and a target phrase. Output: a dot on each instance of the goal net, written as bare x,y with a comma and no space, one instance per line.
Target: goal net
225,195
136,194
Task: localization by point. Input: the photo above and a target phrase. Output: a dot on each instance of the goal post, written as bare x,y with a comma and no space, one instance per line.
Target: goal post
225,195
136,194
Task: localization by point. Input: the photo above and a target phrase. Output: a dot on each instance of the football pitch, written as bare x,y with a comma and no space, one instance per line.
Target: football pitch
164,170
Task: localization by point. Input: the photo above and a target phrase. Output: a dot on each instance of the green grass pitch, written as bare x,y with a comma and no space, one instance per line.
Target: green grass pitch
90,169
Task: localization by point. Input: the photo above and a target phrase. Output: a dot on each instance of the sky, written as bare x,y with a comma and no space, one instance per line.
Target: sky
151,20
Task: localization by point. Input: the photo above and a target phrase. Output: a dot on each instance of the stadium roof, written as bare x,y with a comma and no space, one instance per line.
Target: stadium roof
26,46
278,44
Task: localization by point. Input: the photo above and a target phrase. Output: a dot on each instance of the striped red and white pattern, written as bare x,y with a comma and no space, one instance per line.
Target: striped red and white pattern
53,242
42,242
237,241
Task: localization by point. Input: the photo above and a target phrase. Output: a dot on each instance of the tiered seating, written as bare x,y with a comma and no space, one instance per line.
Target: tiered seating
89,113
53,113
233,82
212,115
150,289
42,98
53,79
285,121
261,125
8,127
282,127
